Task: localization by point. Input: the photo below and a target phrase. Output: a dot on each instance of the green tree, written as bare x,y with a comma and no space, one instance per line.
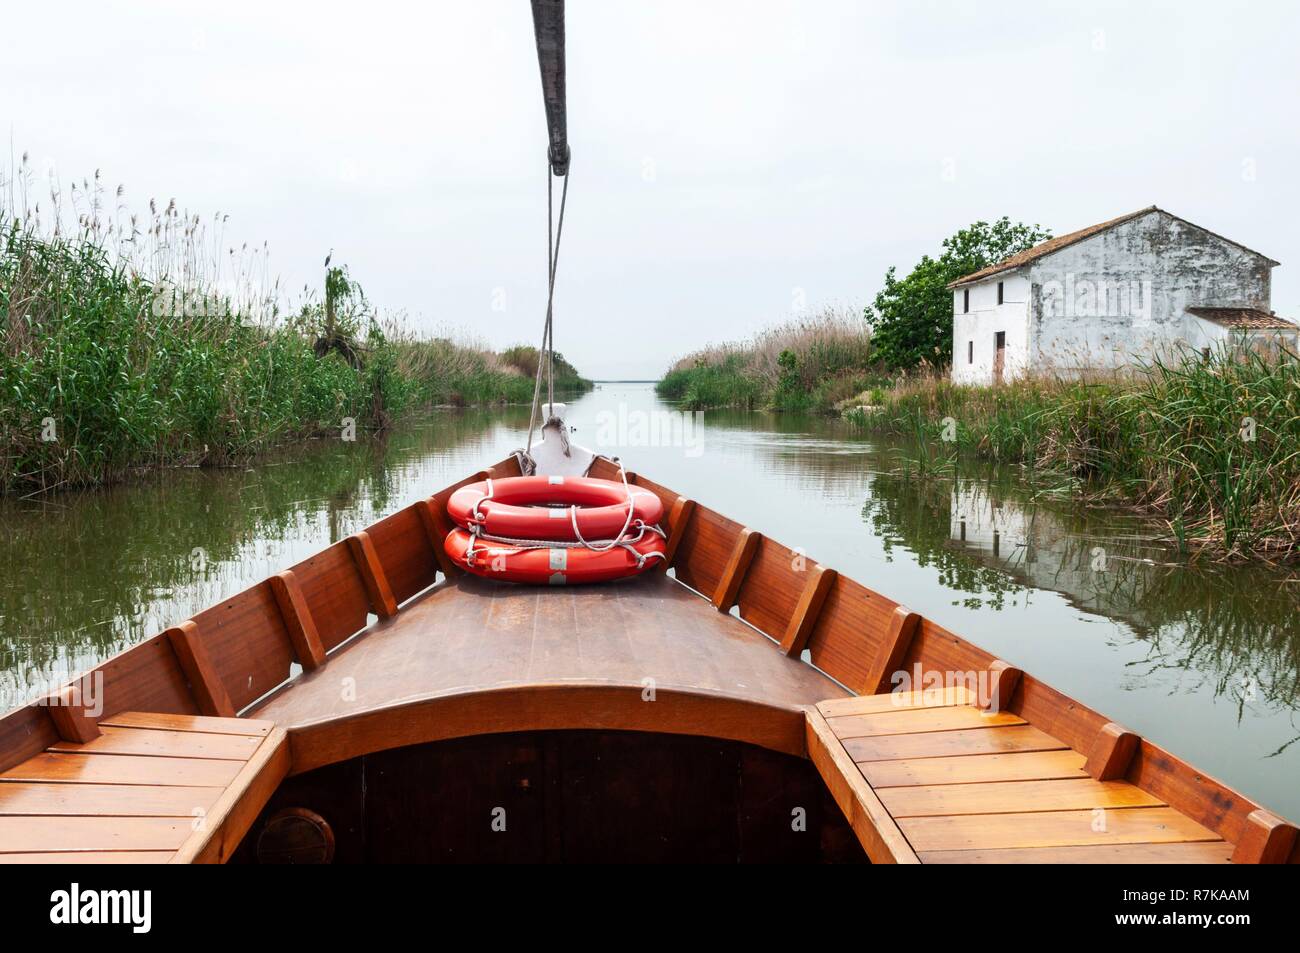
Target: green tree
911,319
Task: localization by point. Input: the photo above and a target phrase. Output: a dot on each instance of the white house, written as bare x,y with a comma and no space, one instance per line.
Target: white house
1144,285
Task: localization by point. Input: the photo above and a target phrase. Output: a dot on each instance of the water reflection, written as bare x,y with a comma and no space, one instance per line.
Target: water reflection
1232,628
1203,659
86,575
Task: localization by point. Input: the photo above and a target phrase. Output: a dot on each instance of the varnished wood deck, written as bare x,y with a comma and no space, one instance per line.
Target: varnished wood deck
471,656
933,779
150,788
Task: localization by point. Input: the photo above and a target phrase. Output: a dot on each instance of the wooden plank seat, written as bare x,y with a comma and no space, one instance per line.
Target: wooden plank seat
147,788
928,777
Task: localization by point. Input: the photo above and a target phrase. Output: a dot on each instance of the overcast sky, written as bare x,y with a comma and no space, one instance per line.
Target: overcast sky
731,159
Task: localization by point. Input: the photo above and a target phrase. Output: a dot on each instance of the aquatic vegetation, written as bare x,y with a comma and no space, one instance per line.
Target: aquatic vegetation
808,364
1210,444
127,344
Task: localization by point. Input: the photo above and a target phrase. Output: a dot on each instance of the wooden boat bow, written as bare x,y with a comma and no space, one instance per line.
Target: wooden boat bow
747,641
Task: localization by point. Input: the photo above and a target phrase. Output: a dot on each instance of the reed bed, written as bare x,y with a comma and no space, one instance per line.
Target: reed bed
1211,445
806,364
133,342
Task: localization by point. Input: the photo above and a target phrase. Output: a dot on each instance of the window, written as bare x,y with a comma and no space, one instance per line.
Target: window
965,300
999,292
970,352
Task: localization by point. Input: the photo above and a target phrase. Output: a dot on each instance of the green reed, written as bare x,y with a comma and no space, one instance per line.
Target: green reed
1212,445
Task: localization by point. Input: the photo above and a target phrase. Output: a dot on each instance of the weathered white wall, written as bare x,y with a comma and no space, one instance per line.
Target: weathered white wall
1202,333
985,319
1120,296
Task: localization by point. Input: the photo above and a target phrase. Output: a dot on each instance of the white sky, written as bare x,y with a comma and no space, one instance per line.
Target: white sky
730,158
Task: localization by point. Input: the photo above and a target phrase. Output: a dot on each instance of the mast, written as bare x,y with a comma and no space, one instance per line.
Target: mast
548,25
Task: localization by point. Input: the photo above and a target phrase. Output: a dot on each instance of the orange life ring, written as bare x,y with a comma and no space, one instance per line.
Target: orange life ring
542,507
558,565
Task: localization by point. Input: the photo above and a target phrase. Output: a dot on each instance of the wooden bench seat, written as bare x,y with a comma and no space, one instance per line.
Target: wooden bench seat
150,788
927,777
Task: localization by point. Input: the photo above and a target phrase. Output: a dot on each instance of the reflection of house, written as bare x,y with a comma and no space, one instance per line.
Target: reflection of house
1230,629
986,526
1038,549
1133,288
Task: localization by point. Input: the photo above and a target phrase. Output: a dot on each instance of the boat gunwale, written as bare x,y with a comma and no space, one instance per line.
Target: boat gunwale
710,552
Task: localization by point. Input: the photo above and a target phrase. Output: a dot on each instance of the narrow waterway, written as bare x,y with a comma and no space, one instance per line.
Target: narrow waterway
1202,659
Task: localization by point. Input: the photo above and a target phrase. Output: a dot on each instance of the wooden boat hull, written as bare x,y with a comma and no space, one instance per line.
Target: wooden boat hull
979,762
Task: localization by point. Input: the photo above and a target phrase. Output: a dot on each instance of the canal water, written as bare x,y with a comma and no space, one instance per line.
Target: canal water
1202,659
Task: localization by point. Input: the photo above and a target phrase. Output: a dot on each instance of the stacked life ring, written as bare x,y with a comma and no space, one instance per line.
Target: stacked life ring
555,530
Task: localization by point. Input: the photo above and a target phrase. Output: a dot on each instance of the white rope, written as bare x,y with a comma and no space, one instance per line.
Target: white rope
514,547
599,547
479,517
545,355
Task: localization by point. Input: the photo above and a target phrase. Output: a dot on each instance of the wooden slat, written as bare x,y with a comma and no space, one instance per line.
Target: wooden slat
1057,714
437,527
298,622
165,744
897,701
1208,852
89,857
942,653
68,712
724,597
1136,825
938,744
124,769
679,518
39,834
248,645
209,692
1006,797
1112,752
1029,766
769,596
332,585
876,830
916,720
405,552
372,573
146,677
806,610
218,726
226,823
144,800
705,549
902,629
1200,796
24,732
849,632
1268,840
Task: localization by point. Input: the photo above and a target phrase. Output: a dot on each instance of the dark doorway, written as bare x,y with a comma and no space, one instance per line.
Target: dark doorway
999,355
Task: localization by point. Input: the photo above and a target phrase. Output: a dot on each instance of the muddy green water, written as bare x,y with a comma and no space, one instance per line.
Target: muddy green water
1203,660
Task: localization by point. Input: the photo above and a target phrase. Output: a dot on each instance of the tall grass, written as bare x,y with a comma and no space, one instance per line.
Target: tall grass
129,343
807,364
95,384
1211,445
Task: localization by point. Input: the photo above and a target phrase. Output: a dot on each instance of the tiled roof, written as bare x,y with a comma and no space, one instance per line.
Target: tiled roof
1244,319
1062,241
